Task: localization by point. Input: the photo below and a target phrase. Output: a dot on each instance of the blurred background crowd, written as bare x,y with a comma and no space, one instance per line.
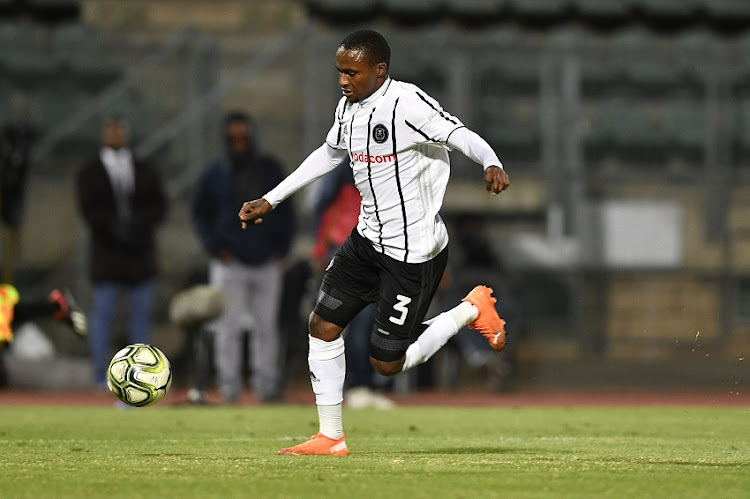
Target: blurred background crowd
620,253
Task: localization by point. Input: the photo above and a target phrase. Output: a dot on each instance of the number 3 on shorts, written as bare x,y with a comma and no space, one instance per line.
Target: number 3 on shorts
403,301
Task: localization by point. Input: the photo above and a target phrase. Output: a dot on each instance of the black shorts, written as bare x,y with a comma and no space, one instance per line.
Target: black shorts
358,275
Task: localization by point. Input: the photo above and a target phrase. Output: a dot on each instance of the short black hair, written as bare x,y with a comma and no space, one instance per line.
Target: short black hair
237,115
372,43
119,119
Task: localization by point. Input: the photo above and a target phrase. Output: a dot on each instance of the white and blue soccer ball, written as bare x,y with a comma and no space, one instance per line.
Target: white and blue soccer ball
139,375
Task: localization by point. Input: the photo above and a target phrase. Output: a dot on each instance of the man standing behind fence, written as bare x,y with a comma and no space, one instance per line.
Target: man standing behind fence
122,201
245,265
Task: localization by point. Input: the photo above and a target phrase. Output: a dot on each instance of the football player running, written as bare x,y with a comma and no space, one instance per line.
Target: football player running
398,139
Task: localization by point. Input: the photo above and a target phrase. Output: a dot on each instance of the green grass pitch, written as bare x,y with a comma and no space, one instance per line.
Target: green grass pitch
434,452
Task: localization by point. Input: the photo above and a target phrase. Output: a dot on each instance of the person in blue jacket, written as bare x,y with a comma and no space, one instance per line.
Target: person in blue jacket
246,266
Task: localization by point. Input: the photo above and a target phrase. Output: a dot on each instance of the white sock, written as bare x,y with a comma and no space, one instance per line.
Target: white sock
437,334
327,371
463,313
331,424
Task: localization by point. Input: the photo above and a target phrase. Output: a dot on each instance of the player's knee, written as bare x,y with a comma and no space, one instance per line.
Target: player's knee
322,329
387,368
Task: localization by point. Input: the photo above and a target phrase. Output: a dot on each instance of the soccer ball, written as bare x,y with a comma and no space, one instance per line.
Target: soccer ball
139,375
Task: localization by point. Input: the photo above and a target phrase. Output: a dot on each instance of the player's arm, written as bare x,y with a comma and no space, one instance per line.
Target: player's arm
432,124
318,163
477,149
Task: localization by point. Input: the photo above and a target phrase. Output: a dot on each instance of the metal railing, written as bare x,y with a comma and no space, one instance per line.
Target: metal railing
197,109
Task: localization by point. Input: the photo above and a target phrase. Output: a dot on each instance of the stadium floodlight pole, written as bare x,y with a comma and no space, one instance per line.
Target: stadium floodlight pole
210,99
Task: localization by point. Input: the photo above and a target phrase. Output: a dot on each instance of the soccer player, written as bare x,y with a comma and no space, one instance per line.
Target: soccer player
398,139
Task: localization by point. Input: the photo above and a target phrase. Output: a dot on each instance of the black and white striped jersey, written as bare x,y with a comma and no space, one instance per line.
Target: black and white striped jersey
397,141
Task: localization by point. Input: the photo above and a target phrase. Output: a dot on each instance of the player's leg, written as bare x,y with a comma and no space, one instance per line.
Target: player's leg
349,284
102,311
59,305
29,310
407,292
265,338
477,310
68,311
362,381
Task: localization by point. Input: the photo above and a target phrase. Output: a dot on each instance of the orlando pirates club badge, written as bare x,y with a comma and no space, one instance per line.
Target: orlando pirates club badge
380,133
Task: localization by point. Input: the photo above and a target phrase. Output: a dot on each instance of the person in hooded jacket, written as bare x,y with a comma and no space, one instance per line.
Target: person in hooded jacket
246,266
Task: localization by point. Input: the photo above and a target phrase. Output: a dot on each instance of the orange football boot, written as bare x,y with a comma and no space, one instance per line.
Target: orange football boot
487,322
318,445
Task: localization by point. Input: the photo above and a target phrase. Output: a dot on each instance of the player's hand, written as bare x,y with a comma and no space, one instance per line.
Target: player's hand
251,212
496,179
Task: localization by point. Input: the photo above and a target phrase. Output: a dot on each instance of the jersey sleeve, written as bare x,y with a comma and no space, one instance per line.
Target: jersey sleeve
474,147
429,122
335,137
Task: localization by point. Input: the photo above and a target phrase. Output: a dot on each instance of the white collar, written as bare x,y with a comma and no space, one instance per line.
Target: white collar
377,94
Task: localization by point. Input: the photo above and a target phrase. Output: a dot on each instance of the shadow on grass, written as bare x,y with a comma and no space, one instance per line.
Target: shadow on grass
166,454
674,462
472,450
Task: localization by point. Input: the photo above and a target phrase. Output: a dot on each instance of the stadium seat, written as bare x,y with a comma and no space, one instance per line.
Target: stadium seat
474,10
728,9
510,62
15,33
419,56
538,8
638,126
597,68
696,49
343,9
52,104
515,69
673,9
510,124
28,68
596,133
602,8
83,52
687,123
75,33
413,7
644,58
55,3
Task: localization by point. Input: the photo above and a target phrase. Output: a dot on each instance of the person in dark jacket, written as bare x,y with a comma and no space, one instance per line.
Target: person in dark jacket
245,265
122,201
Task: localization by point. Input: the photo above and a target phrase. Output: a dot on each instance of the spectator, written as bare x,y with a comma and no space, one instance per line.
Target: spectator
245,265
122,201
336,212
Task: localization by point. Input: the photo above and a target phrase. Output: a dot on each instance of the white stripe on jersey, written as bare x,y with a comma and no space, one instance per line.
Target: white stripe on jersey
396,140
